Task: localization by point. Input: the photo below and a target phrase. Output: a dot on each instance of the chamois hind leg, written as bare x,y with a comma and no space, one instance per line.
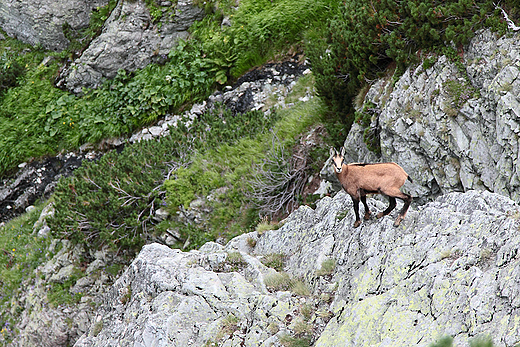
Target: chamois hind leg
363,196
356,212
390,207
407,201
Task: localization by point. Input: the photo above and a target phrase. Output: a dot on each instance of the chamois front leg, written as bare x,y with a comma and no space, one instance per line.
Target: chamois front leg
356,212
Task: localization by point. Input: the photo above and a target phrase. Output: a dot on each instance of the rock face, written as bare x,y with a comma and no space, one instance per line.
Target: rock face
43,323
41,21
451,268
452,129
130,40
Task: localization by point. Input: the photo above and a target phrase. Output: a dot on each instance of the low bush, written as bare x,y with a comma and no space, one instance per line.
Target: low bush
10,70
112,201
231,167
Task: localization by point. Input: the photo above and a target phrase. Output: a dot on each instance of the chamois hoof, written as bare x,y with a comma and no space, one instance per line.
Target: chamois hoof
357,223
380,215
398,221
367,215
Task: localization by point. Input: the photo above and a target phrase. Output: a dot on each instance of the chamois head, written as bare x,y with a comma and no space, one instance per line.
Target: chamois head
338,159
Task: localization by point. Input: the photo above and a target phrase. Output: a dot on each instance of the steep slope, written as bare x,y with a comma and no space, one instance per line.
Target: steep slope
450,269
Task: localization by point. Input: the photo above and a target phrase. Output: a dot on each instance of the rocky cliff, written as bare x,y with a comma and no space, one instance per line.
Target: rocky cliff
452,126
451,268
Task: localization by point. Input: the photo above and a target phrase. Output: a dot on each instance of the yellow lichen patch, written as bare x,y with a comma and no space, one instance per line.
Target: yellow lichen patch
375,320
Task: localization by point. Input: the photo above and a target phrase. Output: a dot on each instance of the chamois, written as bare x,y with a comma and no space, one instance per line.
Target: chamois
358,180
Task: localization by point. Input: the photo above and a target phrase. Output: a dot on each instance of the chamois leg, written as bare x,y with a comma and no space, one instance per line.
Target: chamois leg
407,201
389,208
363,196
356,212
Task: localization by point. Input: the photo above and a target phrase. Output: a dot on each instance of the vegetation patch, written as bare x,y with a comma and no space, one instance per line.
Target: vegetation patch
21,252
274,260
291,341
234,262
459,91
327,268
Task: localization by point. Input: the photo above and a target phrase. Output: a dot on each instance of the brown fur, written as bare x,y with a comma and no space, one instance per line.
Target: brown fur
360,179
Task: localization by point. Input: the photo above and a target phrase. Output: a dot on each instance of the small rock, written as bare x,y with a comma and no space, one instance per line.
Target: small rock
161,214
155,131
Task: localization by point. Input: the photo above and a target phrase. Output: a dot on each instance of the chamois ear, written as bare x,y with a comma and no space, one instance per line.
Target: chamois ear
332,151
343,151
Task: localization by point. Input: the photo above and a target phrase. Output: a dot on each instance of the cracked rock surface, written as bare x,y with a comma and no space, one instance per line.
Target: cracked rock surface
451,268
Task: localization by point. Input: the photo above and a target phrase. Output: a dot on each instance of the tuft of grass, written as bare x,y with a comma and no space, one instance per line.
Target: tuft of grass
235,261
274,260
265,225
327,267
229,326
282,281
300,327
300,288
251,242
291,341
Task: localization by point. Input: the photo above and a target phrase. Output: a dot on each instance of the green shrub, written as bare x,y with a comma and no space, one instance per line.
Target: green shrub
111,201
10,70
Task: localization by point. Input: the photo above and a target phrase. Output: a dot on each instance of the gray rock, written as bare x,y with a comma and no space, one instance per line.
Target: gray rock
40,22
449,269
